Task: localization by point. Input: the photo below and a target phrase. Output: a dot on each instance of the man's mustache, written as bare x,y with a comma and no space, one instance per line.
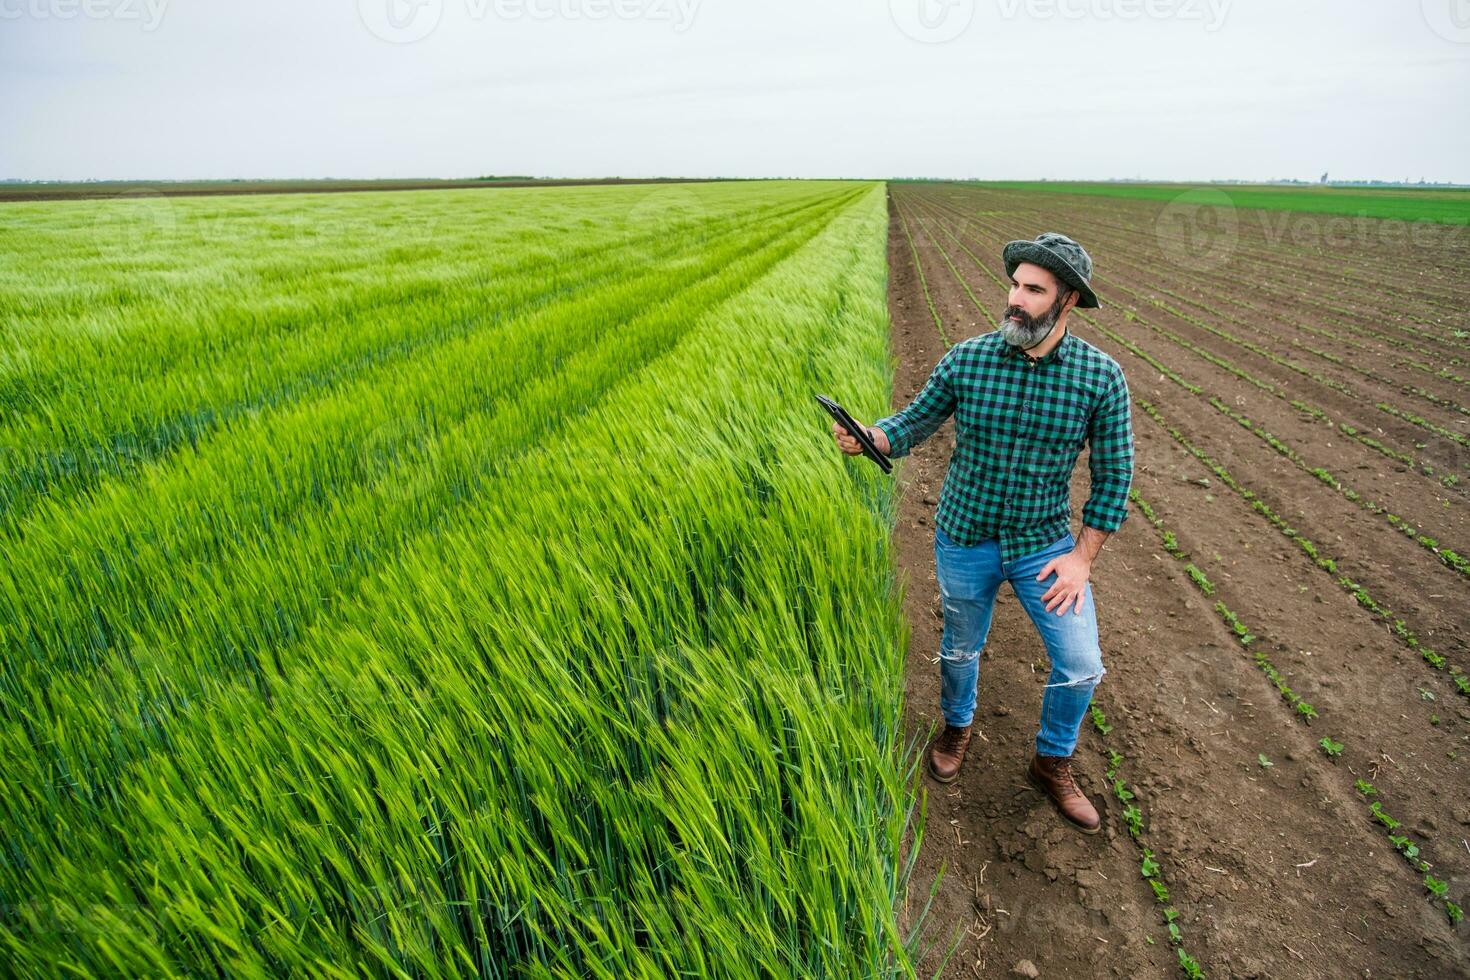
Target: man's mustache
1015,311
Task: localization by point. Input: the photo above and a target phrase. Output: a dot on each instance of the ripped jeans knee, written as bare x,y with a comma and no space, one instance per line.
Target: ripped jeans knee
1086,679
959,658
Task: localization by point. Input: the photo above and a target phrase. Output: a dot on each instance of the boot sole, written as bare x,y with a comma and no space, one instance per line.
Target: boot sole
1040,788
943,779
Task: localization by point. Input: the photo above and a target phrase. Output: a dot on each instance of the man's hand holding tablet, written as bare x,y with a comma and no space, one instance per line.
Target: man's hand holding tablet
856,439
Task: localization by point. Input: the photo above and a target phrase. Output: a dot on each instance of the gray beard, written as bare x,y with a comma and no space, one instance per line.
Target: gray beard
1024,337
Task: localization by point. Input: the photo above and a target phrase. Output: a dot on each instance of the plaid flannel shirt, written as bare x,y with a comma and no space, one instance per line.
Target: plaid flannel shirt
1019,428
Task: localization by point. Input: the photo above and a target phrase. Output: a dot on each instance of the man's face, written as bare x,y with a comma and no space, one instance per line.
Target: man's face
1035,306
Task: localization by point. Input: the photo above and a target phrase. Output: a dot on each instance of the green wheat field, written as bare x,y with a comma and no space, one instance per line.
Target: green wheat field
436,583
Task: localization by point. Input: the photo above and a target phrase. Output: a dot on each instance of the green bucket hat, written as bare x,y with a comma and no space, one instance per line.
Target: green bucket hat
1068,260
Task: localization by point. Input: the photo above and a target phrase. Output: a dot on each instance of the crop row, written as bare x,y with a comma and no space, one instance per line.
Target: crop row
1386,345
1303,710
923,280
1318,556
1410,851
1331,358
1233,288
1446,556
1150,866
367,467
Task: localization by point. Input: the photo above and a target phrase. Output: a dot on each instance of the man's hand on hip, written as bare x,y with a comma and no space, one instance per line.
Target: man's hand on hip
1072,572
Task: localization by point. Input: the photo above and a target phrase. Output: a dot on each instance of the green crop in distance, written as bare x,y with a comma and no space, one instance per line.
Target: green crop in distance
1439,205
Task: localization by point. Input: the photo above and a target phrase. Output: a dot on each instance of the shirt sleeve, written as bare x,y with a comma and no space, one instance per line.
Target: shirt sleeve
918,421
1110,437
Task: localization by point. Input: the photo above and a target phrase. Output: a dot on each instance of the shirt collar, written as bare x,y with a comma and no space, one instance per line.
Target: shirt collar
1057,353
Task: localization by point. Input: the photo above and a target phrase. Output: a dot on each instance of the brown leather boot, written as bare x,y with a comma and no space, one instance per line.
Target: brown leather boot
947,751
1052,774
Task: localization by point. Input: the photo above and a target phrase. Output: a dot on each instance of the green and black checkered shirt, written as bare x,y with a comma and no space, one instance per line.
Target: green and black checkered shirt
1019,427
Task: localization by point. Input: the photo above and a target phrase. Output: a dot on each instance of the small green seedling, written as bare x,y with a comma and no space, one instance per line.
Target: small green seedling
1404,846
1377,810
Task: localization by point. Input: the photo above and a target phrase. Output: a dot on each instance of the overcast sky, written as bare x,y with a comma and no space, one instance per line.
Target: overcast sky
1160,89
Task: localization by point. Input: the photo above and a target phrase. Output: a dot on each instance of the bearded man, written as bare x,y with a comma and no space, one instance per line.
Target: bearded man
1025,398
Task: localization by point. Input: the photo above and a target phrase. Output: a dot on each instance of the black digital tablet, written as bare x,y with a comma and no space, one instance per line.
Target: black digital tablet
857,431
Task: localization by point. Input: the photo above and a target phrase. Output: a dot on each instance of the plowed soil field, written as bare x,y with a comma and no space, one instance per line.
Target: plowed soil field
1283,615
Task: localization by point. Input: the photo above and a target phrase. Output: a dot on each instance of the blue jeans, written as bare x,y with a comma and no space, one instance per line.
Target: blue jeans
969,578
